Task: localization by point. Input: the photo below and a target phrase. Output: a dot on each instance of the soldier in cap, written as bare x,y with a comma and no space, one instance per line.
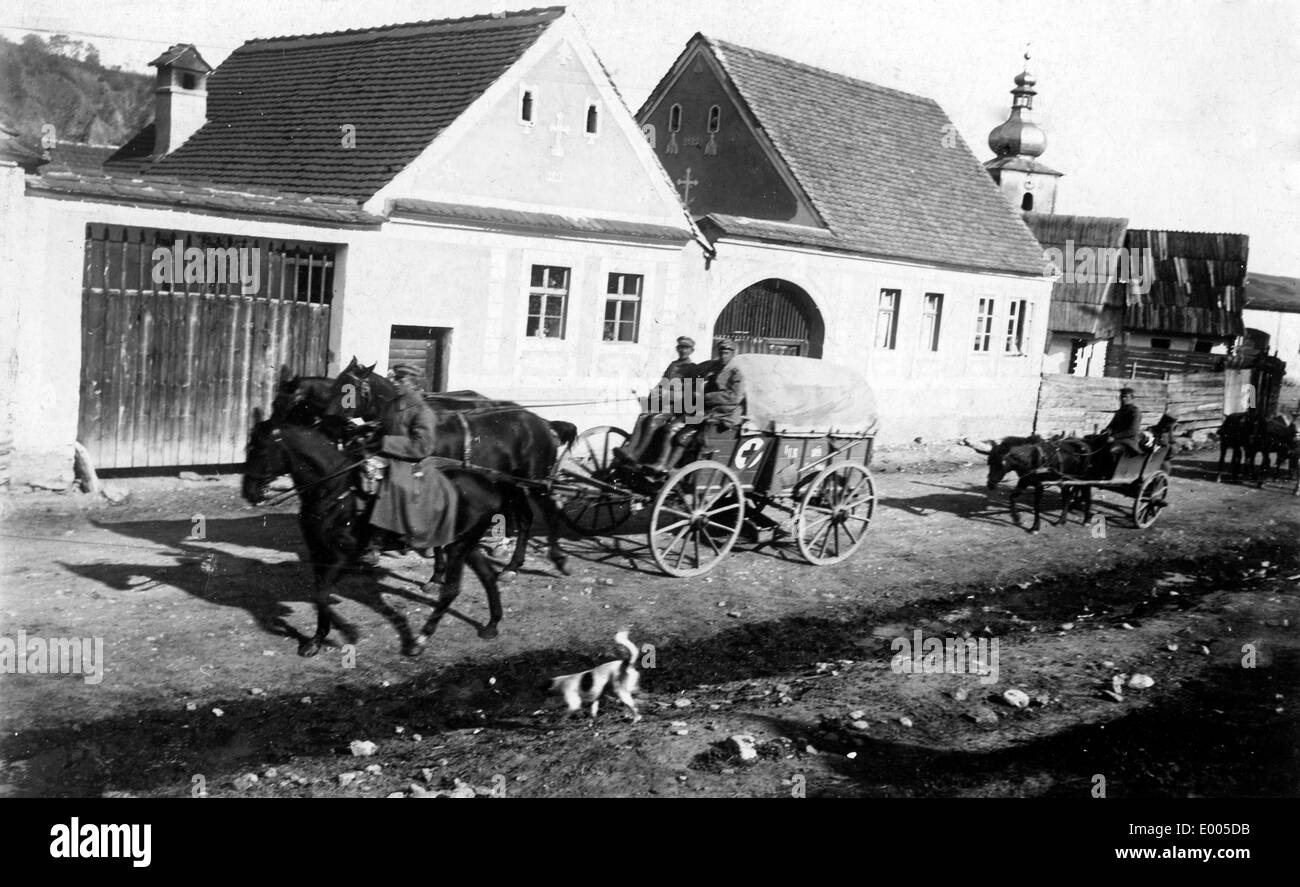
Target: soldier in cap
414,489
1122,435
666,396
724,396
682,367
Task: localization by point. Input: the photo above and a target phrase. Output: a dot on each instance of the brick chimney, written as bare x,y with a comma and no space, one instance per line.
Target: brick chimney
180,97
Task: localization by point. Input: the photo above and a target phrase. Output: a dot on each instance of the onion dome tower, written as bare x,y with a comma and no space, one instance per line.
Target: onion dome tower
1027,183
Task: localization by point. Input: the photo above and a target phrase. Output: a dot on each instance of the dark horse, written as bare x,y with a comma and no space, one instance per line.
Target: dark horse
331,515
1037,461
497,435
1244,435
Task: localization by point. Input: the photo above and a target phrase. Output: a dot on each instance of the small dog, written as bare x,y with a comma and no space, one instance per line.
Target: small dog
618,677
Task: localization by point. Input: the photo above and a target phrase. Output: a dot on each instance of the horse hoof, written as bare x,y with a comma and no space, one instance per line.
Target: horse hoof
307,649
563,567
506,576
487,633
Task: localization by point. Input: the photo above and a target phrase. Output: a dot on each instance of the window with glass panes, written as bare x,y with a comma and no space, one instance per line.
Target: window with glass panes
931,316
622,307
887,319
548,302
984,325
1019,319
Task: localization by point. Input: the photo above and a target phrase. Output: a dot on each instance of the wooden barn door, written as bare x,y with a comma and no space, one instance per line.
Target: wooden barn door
772,317
427,348
170,372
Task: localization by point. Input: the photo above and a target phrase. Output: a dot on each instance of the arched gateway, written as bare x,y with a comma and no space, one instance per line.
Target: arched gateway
772,316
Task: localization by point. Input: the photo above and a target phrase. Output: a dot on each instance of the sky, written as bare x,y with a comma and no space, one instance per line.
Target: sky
1179,114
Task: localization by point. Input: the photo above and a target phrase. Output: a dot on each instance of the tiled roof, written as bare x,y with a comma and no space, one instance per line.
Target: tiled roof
885,169
715,225
1269,292
77,155
135,155
277,107
518,219
174,194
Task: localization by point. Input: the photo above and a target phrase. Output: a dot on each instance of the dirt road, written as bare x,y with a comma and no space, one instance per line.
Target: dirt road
191,591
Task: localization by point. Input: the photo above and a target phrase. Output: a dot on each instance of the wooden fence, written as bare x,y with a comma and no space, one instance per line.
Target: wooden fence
1080,405
170,371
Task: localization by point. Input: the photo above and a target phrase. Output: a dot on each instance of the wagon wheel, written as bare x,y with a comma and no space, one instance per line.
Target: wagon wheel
588,511
834,513
592,451
696,518
1151,498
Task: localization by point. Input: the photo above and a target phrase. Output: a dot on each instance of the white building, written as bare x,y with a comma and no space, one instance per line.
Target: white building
851,222
471,195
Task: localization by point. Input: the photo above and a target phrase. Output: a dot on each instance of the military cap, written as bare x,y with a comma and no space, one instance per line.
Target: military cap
685,341
726,345
403,370
1127,392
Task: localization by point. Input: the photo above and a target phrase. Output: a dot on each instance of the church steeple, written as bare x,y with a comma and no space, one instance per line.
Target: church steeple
1019,135
1028,184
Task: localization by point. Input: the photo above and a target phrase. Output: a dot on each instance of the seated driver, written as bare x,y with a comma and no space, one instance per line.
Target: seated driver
1122,435
665,396
724,397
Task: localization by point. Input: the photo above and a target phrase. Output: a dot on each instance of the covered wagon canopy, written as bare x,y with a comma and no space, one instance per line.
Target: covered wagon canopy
799,395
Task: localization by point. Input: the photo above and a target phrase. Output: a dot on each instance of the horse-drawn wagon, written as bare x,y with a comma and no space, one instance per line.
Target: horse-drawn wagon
802,451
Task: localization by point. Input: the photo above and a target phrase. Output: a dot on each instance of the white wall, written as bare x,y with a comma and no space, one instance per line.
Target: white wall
476,283
936,396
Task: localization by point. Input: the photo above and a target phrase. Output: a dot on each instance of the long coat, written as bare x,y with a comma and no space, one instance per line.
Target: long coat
416,501
1126,426
724,392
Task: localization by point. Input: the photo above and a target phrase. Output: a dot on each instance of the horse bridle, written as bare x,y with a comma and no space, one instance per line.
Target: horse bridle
278,438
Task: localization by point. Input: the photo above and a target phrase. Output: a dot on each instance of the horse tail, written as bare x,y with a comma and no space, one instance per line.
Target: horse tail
565,433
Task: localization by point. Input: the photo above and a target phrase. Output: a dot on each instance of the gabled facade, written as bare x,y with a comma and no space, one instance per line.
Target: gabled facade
468,195
851,222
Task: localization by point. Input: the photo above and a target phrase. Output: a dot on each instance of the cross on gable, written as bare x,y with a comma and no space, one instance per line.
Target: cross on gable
560,130
686,184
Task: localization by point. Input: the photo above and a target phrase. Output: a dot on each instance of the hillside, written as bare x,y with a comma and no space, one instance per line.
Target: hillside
61,81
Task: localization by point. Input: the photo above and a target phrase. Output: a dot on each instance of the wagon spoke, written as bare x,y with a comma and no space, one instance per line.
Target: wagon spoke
825,529
857,486
853,540
680,537
723,527
673,526
732,507
667,510
708,537
820,521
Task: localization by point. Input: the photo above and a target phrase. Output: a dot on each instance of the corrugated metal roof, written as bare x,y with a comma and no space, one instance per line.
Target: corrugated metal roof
1091,305
1197,286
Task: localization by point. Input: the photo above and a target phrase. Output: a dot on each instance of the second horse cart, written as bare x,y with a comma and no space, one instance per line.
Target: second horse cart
796,468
